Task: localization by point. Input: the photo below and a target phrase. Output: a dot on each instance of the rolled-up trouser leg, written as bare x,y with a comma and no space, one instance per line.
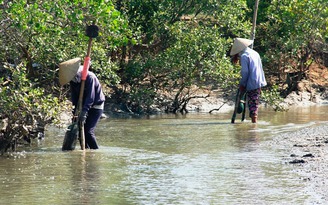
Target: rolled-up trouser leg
89,128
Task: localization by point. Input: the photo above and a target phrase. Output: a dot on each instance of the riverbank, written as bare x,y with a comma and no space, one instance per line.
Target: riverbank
311,91
217,103
306,151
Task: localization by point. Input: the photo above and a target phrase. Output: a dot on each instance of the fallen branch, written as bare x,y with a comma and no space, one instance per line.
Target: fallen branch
217,109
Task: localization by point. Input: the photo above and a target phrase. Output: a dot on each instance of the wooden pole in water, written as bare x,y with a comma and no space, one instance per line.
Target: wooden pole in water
256,6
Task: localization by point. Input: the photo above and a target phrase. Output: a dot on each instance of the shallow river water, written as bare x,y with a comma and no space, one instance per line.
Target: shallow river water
166,159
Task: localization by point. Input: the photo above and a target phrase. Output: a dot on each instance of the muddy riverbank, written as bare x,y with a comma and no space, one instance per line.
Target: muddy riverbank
306,150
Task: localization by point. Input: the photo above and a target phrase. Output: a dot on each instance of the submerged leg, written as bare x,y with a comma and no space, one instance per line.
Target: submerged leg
89,128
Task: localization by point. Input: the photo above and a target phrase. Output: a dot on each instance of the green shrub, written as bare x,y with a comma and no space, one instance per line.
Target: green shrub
25,108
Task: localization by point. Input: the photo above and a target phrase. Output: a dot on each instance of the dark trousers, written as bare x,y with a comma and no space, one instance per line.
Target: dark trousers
89,128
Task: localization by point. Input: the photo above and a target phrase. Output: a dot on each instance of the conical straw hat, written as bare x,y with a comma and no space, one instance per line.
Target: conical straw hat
68,69
240,44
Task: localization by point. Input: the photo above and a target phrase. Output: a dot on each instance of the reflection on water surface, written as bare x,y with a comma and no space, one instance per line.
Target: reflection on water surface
168,159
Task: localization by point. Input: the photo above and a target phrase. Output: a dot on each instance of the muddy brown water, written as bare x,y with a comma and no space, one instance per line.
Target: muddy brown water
165,159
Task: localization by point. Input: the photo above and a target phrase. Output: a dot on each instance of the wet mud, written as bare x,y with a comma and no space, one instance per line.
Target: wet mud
306,151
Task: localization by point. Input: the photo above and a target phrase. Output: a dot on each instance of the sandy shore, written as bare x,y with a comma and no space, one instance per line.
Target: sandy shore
306,150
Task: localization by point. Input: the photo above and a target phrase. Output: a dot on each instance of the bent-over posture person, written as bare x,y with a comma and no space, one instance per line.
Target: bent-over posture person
252,74
93,97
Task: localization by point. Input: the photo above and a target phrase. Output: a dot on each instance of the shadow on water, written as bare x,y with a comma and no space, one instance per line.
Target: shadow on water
167,159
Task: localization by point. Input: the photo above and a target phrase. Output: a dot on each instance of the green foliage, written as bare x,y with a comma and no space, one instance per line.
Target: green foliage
25,107
37,36
151,19
103,66
198,56
154,52
272,97
185,43
50,32
299,27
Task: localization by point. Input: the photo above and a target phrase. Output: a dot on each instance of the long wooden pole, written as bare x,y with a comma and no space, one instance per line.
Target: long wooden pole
84,74
256,6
